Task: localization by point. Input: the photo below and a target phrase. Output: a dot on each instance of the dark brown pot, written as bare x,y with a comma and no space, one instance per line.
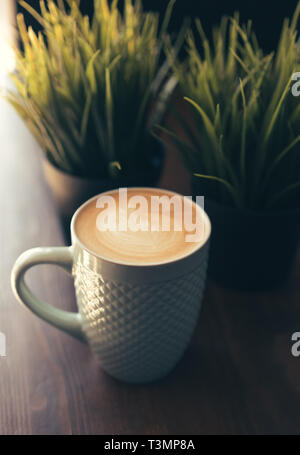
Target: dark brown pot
70,191
252,250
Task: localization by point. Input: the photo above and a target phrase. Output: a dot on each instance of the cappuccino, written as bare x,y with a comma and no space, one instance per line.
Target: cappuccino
141,226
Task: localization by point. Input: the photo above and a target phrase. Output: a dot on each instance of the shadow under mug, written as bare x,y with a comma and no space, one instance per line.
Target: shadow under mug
138,320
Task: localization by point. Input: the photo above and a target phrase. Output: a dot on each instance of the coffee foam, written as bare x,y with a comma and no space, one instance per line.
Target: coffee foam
141,247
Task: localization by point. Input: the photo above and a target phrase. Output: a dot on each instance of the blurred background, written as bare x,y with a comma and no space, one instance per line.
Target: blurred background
267,16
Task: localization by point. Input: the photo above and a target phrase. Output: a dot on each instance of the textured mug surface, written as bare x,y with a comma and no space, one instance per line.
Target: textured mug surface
138,330
138,320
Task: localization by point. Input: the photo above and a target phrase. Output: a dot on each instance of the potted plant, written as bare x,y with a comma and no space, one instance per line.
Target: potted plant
241,145
90,90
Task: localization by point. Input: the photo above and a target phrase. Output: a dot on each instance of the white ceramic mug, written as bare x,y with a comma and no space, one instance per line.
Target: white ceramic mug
138,320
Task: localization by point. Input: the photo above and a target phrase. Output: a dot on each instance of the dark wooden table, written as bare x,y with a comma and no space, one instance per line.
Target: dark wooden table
237,377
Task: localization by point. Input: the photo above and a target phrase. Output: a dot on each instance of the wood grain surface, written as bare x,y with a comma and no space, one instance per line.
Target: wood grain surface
237,377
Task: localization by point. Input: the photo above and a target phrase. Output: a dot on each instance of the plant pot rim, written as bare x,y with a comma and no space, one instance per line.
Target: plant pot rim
48,164
251,212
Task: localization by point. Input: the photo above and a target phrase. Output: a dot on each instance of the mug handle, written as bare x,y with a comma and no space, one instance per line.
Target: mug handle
63,257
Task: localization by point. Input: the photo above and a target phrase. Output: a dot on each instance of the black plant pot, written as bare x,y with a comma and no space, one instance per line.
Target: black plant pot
252,250
71,191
